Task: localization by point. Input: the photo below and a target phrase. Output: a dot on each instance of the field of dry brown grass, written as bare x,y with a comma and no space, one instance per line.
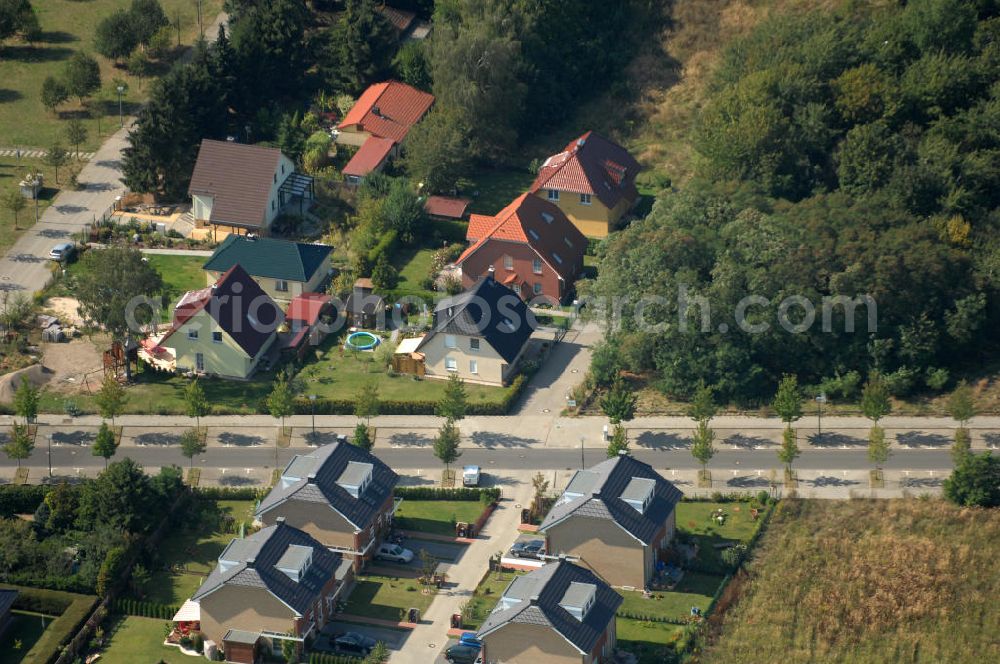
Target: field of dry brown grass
903,581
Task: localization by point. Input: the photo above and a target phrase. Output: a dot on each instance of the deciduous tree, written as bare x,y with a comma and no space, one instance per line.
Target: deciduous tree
195,402
55,157
454,402
82,75
26,399
619,403
114,37
702,445
53,93
976,482
20,445
111,399
106,443
446,444
76,134
14,201
192,445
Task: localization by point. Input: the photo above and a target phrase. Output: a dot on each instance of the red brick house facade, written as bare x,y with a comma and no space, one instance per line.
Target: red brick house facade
533,248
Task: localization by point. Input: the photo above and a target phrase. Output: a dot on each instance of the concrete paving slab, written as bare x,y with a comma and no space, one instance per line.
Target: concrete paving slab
408,437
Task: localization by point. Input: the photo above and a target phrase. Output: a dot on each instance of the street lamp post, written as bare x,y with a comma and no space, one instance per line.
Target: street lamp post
49,437
121,116
312,404
582,463
820,400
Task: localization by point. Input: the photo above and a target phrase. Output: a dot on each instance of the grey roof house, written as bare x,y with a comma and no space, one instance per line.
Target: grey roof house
276,584
559,612
614,516
340,494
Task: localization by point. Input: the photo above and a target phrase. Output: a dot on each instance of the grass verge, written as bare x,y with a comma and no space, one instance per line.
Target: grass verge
437,517
386,598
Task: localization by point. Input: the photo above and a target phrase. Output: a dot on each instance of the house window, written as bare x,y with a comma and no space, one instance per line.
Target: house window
282,169
449,341
275,178
217,337
553,194
473,344
536,266
508,263
517,289
193,335
450,364
538,288
584,199
473,367
281,285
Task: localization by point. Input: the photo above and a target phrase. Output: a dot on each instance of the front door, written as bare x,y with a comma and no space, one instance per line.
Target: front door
199,362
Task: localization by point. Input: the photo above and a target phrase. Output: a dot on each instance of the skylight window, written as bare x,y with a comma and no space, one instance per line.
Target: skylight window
557,257
547,217
532,233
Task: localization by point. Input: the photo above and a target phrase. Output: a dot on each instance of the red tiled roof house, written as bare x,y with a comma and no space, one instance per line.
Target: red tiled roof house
592,180
532,247
378,124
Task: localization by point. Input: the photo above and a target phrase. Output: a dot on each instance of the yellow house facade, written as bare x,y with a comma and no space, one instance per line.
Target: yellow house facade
201,345
587,212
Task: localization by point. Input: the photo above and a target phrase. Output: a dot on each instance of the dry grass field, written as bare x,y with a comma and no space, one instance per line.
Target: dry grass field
864,581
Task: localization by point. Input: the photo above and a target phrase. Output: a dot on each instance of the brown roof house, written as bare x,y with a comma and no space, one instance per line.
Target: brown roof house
558,614
592,180
279,584
340,494
243,188
614,517
531,246
378,124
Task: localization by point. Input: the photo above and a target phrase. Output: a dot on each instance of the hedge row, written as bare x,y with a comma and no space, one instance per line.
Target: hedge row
71,608
21,498
227,493
457,493
346,406
324,658
134,607
654,619
762,497
72,583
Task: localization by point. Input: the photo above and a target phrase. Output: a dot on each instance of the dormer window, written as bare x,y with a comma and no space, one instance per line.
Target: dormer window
578,599
355,478
295,562
638,493
568,243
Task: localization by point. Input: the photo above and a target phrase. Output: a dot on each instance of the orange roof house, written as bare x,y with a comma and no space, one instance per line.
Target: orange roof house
592,180
385,113
530,245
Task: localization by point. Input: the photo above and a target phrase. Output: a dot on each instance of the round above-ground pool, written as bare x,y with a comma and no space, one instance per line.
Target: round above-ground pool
361,341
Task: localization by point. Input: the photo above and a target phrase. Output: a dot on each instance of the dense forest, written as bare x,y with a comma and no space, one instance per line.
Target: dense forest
846,153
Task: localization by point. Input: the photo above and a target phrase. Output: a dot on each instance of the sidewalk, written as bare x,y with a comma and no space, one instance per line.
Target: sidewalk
430,637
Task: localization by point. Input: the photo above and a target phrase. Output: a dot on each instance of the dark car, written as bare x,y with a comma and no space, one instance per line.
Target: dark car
461,654
529,549
354,643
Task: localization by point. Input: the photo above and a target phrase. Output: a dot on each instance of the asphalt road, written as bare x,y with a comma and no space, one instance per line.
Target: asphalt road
75,456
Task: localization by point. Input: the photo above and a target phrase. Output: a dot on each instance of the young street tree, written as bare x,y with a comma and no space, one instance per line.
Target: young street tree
82,75
362,437
702,447
76,134
878,448
195,403
789,450
110,282
702,407
454,401
788,405
111,399
961,407
619,442
446,444
14,201
106,443
20,444
192,445
55,157
366,405
876,404
281,400
26,401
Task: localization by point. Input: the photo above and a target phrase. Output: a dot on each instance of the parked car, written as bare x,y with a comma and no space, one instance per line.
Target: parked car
461,653
470,476
62,251
354,643
394,553
528,549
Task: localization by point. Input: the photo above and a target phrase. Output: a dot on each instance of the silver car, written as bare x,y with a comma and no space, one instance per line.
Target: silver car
62,251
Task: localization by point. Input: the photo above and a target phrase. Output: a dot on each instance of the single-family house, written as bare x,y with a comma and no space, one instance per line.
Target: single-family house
242,188
592,180
531,246
479,334
225,329
7,598
364,307
446,208
615,517
278,584
283,269
560,613
340,494
378,124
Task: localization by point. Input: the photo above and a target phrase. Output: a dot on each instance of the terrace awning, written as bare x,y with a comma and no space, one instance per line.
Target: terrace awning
189,612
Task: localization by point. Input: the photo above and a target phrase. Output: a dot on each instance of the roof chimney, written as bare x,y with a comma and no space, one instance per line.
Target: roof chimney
311,478
280,521
249,562
490,272
376,111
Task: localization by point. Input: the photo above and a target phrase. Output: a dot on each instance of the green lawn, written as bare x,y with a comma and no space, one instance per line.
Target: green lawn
486,596
386,598
647,640
10,176
68,27
491,191
196,550
180,274
141,640
436,516
693,518
695,589
24,630
416,265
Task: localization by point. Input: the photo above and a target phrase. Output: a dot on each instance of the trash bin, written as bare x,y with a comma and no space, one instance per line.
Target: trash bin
456,621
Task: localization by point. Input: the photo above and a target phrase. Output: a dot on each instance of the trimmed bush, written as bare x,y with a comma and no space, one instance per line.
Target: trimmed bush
226,493
458,493
134,607
72,609
21,498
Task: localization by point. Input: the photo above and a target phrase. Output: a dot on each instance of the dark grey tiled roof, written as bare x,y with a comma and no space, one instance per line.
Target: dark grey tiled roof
542,590
326,464
7,597
602,497
488,310
252,562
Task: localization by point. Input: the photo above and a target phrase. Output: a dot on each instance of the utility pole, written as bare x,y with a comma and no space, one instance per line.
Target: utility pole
820,400
49,437
582,464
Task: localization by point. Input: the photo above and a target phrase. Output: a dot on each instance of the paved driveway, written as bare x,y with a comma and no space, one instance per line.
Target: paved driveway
561,371
392,638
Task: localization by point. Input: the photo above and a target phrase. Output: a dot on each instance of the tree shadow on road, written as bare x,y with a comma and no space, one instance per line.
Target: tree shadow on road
921,482
834,439
921,439
409,439
748,482
829,481
240,439
748,442
492,440
662,440
157,438
73,437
